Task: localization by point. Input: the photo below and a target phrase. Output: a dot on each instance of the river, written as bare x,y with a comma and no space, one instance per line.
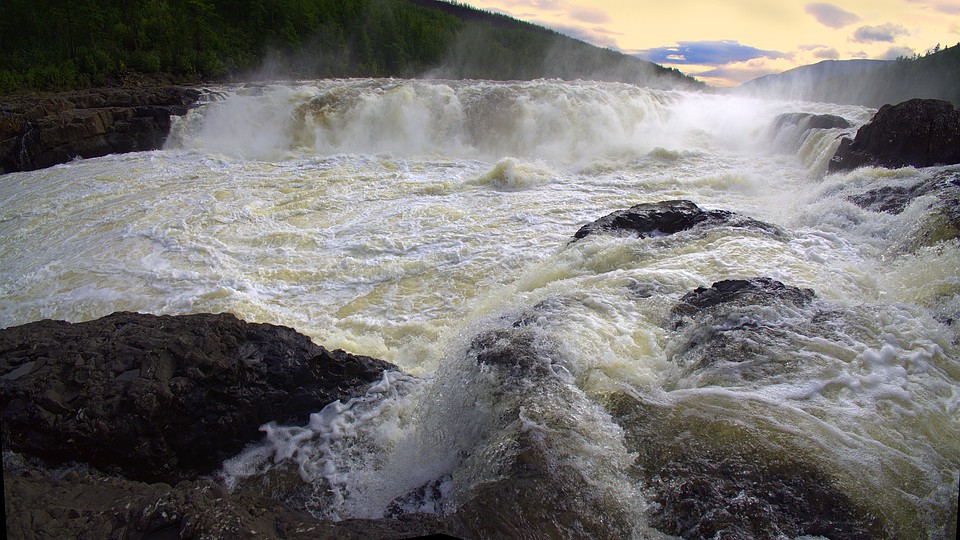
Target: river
547,384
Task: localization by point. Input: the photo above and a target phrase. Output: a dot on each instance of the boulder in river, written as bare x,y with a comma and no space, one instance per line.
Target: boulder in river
918,133
665,218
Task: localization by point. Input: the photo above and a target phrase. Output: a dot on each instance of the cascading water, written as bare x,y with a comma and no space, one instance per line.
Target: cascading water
551,386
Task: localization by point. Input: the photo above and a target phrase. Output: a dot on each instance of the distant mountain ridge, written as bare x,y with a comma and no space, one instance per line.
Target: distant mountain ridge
826,68
871,83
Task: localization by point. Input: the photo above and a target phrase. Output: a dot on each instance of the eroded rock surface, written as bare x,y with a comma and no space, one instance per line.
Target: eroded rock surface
162,398
47,129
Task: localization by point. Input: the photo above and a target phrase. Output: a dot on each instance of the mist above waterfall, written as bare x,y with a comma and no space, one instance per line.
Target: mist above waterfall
574,122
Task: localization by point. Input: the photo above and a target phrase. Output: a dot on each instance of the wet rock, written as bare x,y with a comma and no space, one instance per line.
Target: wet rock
760,291
941,220
665,218
532,464
919,133
714,478
734,332
162,398
84,503
47,129
893,199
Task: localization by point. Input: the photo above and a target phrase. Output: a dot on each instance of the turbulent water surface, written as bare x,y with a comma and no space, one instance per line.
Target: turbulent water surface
549,385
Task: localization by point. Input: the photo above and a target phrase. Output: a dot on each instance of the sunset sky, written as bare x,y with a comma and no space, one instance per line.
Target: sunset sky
727,42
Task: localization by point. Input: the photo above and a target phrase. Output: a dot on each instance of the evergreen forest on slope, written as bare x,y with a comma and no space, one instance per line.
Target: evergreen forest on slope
71,44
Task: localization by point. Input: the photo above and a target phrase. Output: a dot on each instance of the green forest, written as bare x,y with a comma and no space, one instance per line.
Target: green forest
60,44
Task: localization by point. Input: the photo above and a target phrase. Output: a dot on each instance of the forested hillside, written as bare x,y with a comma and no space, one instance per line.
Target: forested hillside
873,83
61,44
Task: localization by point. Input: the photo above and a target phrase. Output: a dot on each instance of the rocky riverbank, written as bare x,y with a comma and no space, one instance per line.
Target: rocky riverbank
112,427
38,131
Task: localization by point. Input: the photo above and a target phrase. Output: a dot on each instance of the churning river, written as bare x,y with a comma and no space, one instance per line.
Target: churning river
550,387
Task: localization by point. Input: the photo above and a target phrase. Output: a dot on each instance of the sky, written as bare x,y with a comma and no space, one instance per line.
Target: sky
726,42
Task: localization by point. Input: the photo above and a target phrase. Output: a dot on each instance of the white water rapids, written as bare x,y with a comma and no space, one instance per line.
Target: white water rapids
401,219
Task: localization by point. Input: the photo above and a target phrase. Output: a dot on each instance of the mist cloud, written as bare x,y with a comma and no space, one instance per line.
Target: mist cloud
707,53
830,15
884,32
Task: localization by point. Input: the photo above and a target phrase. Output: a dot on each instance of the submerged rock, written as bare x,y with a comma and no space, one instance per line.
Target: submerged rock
942,216
761,291
544,459
710,472
918,132
665,218
715,478
732,333
41,131
162,398
807,121
894,199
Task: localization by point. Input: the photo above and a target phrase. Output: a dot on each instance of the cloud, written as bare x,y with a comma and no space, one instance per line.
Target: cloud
827,53
583,22
953,9
598,35
943,6
896,52
821,52
589,15
709,53
830,15
586,14
884,32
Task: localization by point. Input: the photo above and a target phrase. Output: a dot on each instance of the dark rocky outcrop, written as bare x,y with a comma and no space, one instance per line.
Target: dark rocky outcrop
919,133
162,398
665,218
110,426
40,131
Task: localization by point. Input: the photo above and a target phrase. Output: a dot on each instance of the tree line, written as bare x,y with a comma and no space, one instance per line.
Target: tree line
60,44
